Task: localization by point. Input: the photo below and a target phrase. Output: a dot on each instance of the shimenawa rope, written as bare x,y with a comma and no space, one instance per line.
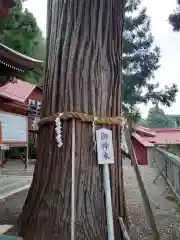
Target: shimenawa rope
83,117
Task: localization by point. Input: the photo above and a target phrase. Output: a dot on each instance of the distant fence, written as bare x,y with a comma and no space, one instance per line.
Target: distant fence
169,165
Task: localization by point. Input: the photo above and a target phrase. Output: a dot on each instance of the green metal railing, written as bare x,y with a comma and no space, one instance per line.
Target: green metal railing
168,165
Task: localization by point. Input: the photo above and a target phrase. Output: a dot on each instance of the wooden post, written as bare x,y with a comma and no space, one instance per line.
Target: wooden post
26,157
123,228
105,157
141,185
159,173
0,133
109,211
1,151
1,159
73,202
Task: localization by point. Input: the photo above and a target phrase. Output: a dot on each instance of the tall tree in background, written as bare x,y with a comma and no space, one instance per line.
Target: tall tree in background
20,32
141,60
83,73
157,119
174,18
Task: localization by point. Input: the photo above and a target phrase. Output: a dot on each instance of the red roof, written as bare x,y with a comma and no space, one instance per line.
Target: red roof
18,91
142,140
162,136
145,130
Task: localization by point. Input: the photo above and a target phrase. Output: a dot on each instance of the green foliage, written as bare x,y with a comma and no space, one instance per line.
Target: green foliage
175,119
174,18
20,32
174,149
158,119
142,122
131,113
141,60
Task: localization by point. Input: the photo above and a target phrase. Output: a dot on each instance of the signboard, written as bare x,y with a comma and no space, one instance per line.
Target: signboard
104,146
14,128
4,147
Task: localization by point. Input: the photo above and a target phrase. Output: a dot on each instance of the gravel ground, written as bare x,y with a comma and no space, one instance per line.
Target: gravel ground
10,208
166,212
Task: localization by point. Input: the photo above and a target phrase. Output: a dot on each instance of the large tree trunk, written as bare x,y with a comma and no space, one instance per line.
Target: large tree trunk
83,74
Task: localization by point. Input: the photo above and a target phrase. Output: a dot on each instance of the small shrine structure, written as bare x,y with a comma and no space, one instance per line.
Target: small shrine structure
15,98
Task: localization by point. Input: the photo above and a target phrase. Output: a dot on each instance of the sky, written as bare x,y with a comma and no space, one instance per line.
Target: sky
169,42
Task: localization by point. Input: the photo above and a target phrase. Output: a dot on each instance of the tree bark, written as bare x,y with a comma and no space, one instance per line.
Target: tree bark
83,74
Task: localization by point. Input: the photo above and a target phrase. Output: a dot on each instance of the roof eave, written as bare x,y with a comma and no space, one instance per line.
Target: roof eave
32,61
142,141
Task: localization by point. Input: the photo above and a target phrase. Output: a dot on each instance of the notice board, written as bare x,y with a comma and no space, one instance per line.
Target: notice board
14,128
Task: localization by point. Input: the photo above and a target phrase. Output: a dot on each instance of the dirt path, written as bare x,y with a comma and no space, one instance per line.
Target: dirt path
166,212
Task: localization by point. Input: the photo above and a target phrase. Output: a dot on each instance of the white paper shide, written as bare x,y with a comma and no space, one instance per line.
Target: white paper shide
105,150
58,130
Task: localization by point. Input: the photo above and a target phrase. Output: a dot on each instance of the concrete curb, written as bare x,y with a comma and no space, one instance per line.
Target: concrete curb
5,228
14,191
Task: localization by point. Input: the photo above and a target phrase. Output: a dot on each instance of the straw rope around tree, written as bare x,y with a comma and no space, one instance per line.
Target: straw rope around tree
83,117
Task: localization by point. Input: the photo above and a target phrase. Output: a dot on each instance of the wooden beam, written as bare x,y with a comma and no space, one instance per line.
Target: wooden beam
123,229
